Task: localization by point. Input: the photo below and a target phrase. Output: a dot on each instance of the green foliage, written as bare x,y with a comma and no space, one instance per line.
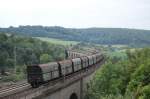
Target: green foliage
140,77
20,51
132,37
44,58
109,79
13,77
140,81
123,78
119,96
145,92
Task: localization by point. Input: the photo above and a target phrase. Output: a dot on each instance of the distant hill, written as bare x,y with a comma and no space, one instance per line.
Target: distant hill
92,35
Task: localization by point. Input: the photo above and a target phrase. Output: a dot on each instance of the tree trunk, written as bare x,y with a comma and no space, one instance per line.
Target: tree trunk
3,71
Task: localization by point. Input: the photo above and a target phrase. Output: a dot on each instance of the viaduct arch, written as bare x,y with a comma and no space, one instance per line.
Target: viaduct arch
73,96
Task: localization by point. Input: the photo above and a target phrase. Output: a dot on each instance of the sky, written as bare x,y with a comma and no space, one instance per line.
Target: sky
76,13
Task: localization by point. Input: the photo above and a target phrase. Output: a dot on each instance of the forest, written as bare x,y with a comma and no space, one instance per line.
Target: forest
16,52
127,78
132,37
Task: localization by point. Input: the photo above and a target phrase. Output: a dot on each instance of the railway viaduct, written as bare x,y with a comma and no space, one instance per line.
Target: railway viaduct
73,86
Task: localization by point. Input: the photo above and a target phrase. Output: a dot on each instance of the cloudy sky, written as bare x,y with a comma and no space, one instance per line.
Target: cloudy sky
76,13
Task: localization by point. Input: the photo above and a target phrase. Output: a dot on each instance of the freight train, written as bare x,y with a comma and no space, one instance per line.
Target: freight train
43,73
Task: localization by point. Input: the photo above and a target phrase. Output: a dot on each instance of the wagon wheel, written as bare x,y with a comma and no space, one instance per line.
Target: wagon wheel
35,84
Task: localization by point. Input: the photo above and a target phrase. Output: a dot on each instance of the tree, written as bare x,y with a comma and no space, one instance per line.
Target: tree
140,81
3,61
109,80
123,78
44,58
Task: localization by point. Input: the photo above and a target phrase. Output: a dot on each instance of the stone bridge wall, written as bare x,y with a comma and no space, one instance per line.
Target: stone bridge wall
74,91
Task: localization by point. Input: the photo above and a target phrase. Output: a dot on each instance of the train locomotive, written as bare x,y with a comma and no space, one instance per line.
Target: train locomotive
43,73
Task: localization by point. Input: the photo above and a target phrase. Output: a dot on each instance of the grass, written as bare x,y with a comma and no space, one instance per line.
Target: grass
58,41
117,51
113,45
117,54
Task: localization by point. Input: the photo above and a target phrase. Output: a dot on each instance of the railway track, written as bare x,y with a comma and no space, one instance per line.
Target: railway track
14,88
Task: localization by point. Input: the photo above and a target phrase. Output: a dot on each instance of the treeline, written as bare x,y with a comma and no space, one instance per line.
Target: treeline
18,51
123,79
131,37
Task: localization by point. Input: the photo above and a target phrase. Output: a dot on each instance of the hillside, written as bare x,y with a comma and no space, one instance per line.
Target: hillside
92,35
